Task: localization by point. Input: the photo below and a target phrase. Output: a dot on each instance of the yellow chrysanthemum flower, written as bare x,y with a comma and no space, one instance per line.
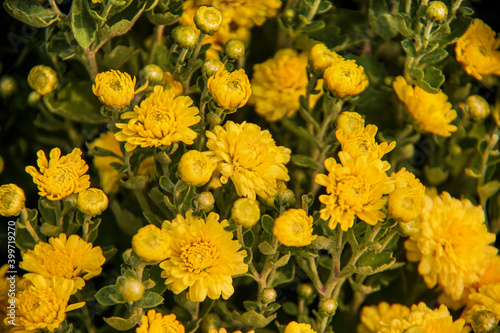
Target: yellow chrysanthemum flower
407,200
43,305
452,245
423,319
246,212
487,298
115,89
250,157
12,200
278,83
60,177
373,317
65,257
195,168
344,78
229,90
432,112
204,258
92,201
478,51
294,327
42,79
170,84
151,243
349,122
294,228
155,322
321,58
160,120
362,142
355,187
223,330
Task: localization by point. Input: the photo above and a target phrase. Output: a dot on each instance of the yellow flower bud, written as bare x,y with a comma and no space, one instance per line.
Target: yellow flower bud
245,212
478,107
349,122
151,243
294,327
294,228
185,37
211,67
195,168
437,11
408,151
345,78
484,321
234,49
213,118
321,57
114,88
206,201
153,74
407,200
328,307
92,201
230,90
208,19
305,290
407,229
33,98
268,295
286,197
11,200
132,290
8,86
170,84
43,79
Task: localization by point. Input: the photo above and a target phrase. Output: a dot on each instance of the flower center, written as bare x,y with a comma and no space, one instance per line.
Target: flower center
159,121
116,86
350,192
39,305
61,180
248,154
59,264
199,256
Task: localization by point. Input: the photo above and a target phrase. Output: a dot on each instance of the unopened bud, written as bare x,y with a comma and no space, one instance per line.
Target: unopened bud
349,122
210,322
437,11
213,118
208,19
245,212
12,200
153,74
132,290
286,198
8,86
33,98
484,322
407,229
328,307
268,295
211,66
43,79
206,201
408,151
305,290
478,107
185,37
92,201
234,49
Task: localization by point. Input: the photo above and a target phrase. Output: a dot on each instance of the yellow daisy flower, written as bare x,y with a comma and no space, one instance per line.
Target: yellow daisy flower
294,228
432,112
362,142
160,120
12,200
250,157
423,319
229,90
43,305
407,200
478,51
452,245
61,176
294,327
345,78
204,258
115,89
355,187
65,257
373,317
486,298
278,83
155,322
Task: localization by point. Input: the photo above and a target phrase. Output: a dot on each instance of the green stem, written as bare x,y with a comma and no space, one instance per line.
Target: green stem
453,10
427,34
85,227
54,6
29,227
180,60
158,34
408,6
251,267
105,12
310,16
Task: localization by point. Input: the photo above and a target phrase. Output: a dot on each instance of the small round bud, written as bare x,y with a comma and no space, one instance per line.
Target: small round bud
268,295
407,229
206,201
33,98
455,150
234,49
478,107
151,243
208,19
437,11
321,57
11,200
213,118
289,14
305,290
132,290
484,321
245,212
408,151
92,201
195,168
185,37
328,307
349,122
42,79
286,198
8,86
211,66
152,73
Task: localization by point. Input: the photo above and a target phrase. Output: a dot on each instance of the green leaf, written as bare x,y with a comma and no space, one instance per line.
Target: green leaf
429,79
409,48
250,305
282,261
404,25
323,7
153,218
149,300
305,161
166,18
284,275
123,324
435,175
76,102
30,12
134,183
127,221
103,295
372,262
314,26
122,22
457,28
94,230
381,20
467,11
83,25
50,230
266,248
249,238
118,56
47,210
487,190
166,184
290,308
252,319
435,56
268,223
